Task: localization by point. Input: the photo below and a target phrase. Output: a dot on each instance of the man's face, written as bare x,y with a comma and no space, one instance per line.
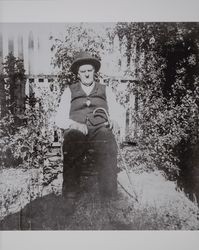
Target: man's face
86,74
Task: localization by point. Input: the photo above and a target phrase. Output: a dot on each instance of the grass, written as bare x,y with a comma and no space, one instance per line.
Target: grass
160,206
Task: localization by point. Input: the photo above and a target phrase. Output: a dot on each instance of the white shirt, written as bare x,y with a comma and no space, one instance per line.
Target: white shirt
62,119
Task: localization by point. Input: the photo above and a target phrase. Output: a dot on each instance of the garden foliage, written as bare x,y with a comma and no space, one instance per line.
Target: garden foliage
167,89
25,136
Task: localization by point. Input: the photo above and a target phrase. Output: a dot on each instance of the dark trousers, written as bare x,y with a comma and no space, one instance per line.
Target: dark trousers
75,145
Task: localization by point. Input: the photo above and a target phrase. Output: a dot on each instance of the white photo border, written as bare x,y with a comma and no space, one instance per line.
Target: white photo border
99,11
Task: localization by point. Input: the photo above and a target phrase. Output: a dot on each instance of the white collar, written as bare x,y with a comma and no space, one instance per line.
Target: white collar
88,89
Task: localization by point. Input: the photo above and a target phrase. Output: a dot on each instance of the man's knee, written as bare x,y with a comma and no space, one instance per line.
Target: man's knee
74,142
72,134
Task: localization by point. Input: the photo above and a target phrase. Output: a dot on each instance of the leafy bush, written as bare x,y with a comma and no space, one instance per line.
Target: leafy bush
26,135
28,145
166,89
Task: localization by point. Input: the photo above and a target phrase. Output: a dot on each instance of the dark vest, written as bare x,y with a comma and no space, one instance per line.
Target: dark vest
83,105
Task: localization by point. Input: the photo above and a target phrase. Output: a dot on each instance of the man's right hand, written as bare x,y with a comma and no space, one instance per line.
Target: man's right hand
79,126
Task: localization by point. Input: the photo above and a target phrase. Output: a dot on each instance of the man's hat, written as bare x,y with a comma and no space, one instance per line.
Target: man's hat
84,57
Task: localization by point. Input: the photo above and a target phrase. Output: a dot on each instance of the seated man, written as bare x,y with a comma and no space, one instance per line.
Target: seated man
85,129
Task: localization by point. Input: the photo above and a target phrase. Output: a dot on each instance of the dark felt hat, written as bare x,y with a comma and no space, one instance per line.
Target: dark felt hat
84,57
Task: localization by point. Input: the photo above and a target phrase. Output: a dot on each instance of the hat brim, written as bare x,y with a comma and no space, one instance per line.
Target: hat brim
76,64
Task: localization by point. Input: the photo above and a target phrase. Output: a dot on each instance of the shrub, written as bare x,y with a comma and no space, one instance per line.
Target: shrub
166,89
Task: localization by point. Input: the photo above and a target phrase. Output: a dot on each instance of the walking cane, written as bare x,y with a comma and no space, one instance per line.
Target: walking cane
134,196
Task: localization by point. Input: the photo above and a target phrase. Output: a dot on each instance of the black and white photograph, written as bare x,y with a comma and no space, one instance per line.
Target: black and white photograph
99,126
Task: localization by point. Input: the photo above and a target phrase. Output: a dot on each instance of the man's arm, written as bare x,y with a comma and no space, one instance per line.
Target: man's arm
62,117
116,111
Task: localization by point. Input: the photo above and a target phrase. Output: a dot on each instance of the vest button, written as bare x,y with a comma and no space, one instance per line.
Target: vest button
88,103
